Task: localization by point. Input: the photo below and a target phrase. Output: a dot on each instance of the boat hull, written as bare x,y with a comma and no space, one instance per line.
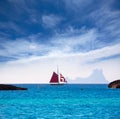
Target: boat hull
57,83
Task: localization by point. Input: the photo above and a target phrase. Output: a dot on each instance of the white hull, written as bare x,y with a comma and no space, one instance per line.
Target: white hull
61,83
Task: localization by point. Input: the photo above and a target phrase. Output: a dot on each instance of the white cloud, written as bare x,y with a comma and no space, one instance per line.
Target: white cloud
77,5
57,45
21,48
82,39
103,15
104,52
51,20
107,19
39,69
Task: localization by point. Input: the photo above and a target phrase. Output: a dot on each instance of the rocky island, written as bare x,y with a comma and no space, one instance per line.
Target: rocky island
114,84
10,87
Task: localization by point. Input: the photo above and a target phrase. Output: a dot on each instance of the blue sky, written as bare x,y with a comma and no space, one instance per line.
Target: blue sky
31,30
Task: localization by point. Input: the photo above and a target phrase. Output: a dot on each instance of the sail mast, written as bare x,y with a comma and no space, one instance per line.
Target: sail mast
58,74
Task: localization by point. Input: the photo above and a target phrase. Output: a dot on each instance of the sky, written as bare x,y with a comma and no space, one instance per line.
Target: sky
82,37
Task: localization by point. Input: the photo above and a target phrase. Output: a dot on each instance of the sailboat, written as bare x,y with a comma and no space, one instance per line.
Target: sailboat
57,78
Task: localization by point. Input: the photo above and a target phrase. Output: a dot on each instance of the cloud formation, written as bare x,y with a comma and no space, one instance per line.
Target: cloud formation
50,21
57,32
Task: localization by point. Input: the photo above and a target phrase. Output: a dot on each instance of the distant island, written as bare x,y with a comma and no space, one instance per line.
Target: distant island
114,84
10,87
96,77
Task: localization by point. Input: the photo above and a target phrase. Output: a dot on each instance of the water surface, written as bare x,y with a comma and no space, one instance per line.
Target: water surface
71,101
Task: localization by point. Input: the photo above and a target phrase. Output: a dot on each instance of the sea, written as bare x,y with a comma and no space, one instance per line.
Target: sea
70,101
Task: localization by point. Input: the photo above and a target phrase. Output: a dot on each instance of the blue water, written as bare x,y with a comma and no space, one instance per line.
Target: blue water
61,102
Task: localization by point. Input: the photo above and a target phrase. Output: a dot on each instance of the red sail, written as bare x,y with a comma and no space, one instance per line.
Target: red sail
62,78
54,78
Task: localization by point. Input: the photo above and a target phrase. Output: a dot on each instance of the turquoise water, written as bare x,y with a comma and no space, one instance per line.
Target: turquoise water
61,102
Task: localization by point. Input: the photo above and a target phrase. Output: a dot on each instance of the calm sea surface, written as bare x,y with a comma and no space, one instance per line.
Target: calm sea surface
71,101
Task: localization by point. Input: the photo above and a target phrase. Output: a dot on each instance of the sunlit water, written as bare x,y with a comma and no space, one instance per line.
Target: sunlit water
61,102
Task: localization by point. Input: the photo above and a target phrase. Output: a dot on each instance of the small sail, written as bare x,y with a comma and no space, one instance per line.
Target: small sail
54,78
62,78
